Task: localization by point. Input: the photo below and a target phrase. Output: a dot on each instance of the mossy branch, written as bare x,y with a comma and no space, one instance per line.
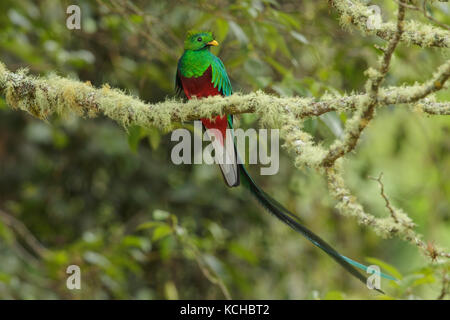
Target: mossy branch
43,97
401,226
365,114
424,35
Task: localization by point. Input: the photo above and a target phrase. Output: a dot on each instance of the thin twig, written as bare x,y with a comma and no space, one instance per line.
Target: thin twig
357,13
362,117
425,13
207,273
388,204
26,235
445,286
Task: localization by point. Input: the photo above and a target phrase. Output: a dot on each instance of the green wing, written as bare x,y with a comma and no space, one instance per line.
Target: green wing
220,77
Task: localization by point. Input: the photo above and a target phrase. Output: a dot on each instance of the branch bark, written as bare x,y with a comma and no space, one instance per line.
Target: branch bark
43,97
364,115
356,13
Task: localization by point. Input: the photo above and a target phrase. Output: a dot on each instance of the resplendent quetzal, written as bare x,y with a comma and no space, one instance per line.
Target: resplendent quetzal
200,73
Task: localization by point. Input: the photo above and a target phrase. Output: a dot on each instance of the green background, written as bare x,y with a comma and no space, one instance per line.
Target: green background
140,227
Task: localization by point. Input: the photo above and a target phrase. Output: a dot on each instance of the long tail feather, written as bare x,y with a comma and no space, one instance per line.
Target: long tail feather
293,221
365,268
283,214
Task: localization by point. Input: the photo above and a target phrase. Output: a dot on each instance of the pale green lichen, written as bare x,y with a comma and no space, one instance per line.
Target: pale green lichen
357,13
398,225
300,143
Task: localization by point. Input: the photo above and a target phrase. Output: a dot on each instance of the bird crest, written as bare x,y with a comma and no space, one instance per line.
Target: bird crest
192,33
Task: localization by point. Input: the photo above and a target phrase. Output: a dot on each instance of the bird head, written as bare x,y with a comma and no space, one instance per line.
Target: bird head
199,40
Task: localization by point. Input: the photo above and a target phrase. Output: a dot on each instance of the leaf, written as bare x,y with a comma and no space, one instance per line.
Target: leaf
58,258
386,267
277,66
18,19
238,32
170,291
96,258
333,122
6,234
138,242
134,136
310,125
221,29
429,278
160,214
299,37
161,232
243,253
214,263
287,19
154,138
137,19
149,225
282,46
60,139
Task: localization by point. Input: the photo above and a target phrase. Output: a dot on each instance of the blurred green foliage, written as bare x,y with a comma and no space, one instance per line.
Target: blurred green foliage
80,191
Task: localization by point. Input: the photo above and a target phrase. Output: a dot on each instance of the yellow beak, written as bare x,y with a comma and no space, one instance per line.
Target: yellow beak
213,43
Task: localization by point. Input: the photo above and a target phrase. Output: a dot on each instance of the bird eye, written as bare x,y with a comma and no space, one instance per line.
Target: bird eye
199,39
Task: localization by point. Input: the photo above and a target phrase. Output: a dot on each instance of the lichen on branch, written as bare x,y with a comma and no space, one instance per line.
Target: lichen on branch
365,113
356,13
43,97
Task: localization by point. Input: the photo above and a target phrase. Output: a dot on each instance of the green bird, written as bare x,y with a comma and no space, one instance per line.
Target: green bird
201,74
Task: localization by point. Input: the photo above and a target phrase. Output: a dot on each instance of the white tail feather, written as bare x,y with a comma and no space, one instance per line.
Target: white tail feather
225,156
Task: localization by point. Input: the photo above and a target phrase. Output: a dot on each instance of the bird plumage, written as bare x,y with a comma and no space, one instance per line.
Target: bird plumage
202,74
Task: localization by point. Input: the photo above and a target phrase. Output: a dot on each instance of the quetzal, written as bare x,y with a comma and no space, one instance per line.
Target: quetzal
201,74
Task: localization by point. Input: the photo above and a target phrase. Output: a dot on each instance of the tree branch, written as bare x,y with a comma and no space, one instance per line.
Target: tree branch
364,115
349,206
386,200
24,233
356,13
43,97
